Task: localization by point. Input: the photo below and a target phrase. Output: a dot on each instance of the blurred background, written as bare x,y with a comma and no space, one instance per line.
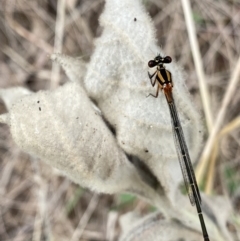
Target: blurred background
36,203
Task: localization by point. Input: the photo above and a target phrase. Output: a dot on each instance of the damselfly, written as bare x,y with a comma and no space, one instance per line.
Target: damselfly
163,78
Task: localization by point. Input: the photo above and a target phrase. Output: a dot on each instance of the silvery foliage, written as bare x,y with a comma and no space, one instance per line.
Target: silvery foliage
64,127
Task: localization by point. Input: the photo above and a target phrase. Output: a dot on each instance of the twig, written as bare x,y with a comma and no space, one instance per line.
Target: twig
210,142
35,40
228,128
59,30
18,59
85,218
198,62
41,198
111,224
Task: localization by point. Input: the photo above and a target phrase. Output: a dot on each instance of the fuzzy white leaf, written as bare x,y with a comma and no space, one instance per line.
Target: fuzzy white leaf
3,118
10,95
62,128
117,79
155,227
223,217
75,68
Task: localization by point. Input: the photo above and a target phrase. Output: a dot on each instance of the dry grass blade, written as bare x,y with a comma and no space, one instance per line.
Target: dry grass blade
38,42
59,31
85,218
204,160
198,63
233,125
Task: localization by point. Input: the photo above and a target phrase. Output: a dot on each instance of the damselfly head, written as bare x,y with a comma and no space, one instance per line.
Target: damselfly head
159,60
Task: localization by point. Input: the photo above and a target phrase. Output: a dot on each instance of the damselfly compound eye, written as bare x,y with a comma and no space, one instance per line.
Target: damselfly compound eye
152,63
167,60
